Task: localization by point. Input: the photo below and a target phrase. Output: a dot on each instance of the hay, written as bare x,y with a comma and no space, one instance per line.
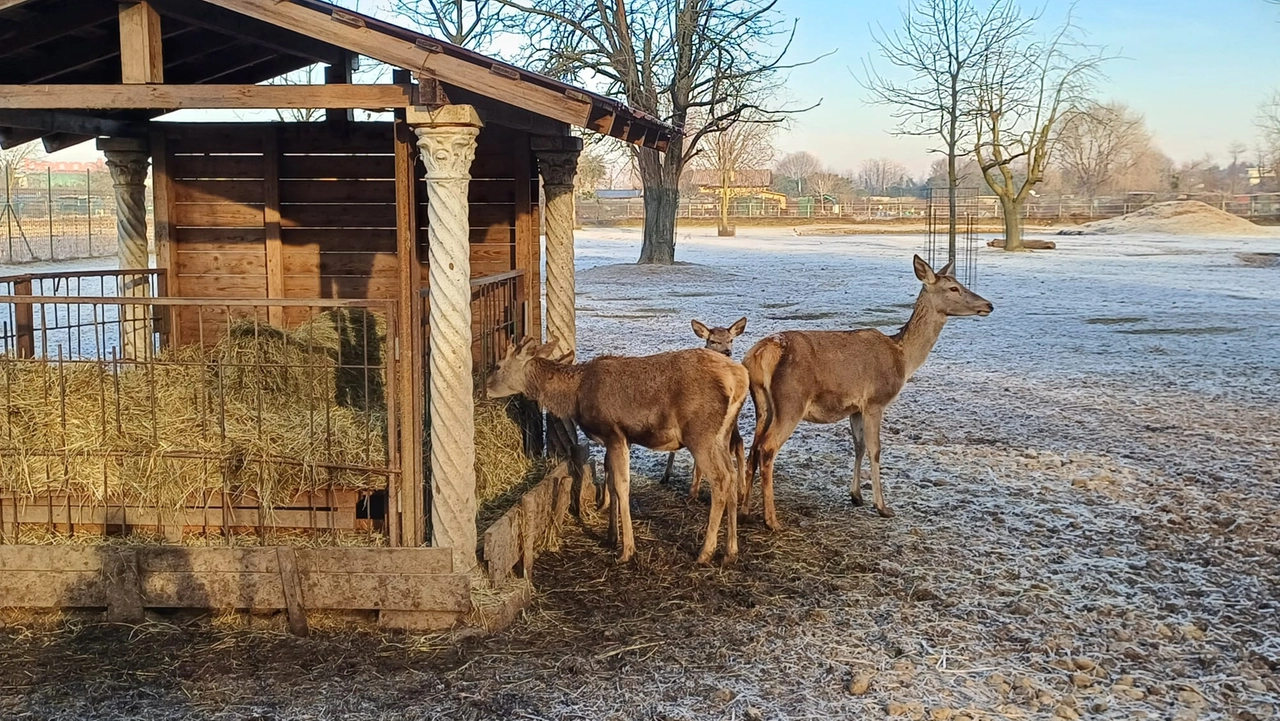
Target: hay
265,411
501,463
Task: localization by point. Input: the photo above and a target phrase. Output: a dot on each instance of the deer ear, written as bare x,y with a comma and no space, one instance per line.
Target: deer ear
948,268
923,271
736,329
700,329
546,349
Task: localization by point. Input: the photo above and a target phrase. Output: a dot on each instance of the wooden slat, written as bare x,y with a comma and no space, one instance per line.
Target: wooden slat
341,286
164,191
337,191
212,590
217,215
338,216
375,560
218,239
305,138
336,263
141,56
190,518
291,584
527,250
373,240
271,224
203,138
230,167
484,190
405,592
53,589
316,167
218,191
483,215
217,286
69,559
208,97
221,263
122,587
407,501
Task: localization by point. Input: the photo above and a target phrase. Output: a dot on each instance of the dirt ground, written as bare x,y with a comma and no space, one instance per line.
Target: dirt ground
1088,524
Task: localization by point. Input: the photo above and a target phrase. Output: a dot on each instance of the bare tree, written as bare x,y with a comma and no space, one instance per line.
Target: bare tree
743,146
591,173
469,23
1099,144
701,65
941,49
795,169
1269,124
11,162
1028,89
877,175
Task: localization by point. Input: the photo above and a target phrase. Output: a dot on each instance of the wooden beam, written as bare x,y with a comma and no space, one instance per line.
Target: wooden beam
141,54
209,15
409,489
55,122
424,61
340,74
8,4
271,221
17,37
496,112
210,97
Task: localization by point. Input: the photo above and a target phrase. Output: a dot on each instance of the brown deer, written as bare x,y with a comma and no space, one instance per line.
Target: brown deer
684,399
827,376
719,340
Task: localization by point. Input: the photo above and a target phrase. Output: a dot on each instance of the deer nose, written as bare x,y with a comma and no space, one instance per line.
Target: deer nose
988,309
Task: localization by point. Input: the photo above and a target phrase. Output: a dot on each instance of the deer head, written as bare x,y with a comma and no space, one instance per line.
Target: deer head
946,295
720,340
511,375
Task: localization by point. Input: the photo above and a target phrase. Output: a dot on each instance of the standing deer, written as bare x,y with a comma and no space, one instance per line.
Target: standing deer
719,340
685,399
827,376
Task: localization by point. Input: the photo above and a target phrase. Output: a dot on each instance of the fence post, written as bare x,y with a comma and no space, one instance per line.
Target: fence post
48,206
24,319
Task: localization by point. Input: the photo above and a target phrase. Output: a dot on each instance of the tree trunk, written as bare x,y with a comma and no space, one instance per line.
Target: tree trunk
661,203
1011,210
952,182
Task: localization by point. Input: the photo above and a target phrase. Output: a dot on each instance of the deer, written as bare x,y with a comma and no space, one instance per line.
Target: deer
665,402
719,340
828,376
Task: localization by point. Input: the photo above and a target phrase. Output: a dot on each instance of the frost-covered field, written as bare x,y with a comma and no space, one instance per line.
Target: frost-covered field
1088,497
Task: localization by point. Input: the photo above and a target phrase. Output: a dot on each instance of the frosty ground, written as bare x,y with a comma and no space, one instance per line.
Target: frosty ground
1088,522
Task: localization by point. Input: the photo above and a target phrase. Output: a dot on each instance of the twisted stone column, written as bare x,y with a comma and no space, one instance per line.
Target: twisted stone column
128,166
447,141
558,168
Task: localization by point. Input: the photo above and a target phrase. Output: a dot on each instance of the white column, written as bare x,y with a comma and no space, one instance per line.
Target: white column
447,142
128,160
558,168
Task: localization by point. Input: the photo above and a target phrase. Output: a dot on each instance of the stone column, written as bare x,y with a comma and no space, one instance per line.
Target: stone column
447,143
128,160
558,166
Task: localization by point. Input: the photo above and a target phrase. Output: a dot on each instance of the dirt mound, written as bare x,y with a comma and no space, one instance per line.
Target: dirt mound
1177,217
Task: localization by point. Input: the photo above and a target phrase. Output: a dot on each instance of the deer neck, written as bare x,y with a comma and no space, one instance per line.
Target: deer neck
554,386
918,336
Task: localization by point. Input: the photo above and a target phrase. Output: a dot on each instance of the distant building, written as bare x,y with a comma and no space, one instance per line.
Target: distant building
609,194
1259,175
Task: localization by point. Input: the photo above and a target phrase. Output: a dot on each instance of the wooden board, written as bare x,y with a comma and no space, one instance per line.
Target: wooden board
219,191
314,167
205,96
336,191
338,216
217,215
231,167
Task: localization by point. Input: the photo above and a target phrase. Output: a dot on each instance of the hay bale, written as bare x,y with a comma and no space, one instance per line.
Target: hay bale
501,463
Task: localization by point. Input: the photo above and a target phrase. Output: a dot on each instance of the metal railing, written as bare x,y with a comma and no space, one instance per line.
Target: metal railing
79,330
499,308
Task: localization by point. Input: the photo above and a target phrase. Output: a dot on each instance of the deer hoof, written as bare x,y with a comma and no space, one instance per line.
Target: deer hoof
704,559
885,511
856,501
730,559
773,524
625,556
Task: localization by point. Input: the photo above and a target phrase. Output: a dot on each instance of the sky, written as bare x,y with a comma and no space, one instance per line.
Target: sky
1196,69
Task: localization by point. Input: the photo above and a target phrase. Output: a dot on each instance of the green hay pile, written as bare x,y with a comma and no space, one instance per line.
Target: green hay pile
262,412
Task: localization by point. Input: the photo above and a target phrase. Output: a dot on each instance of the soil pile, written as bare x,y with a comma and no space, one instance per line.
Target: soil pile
1177,217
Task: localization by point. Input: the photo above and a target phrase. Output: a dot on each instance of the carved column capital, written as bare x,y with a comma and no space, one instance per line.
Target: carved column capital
557,167
128,167
447,150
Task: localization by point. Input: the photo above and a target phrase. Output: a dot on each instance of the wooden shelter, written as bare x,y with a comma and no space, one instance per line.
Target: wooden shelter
431,219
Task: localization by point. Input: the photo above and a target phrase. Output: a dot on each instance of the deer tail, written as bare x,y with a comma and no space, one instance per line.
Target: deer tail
761,362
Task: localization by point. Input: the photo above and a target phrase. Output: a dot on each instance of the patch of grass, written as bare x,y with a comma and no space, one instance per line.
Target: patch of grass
1122,320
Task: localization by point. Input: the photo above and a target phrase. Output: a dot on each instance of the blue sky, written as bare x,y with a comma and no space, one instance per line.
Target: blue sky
1197,70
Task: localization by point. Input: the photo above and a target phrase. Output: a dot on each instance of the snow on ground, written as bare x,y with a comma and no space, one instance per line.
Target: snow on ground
1088,502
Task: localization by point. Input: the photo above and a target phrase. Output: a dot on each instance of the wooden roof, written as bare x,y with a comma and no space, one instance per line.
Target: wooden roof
229,42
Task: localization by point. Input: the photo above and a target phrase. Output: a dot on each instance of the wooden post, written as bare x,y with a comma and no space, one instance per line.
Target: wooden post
141,54
127,160
24,320
271,221
291,582
447,142
338,118
409,528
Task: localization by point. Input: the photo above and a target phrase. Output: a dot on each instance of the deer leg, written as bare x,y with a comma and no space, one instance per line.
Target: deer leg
859,451
666,475
622,482
872,423
718,488
775,435
697,481
760,402
610,491
742,490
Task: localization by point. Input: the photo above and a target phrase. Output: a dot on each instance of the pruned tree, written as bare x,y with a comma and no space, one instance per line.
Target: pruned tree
1099,144
590,175
794,170
469,23
744,145
877,175
938,55
1028,89
701,65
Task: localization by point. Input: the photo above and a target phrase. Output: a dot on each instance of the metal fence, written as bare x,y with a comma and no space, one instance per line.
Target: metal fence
63,219
1258,206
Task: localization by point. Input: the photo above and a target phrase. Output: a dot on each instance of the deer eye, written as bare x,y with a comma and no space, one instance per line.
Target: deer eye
954,289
